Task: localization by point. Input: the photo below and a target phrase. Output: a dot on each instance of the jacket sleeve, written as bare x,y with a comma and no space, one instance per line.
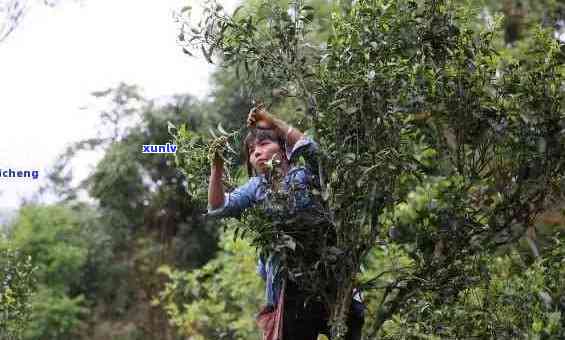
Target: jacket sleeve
305,146
237,201
261,270
305,153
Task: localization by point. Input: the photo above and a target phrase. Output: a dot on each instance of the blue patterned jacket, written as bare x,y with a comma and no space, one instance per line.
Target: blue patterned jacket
254,191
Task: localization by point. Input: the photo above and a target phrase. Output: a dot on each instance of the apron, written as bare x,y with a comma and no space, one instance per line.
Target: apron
270,320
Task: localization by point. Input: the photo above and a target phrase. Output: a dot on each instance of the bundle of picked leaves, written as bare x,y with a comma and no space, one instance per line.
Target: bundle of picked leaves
295,225
195,154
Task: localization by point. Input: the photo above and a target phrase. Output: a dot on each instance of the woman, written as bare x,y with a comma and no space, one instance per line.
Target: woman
273,139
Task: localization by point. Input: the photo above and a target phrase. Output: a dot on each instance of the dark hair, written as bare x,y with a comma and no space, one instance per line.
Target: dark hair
256,135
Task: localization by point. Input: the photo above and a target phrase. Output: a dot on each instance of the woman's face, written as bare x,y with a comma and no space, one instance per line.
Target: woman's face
261,152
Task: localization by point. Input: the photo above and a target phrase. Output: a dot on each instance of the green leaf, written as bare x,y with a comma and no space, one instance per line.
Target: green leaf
237,9
171,127
206,55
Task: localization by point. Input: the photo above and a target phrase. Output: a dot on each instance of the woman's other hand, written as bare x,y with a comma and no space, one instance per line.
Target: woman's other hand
259,117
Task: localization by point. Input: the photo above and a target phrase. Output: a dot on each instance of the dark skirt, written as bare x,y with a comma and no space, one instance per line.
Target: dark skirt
305,319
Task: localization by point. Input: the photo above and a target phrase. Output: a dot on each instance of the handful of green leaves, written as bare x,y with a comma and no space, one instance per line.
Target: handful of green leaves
216,148
195,155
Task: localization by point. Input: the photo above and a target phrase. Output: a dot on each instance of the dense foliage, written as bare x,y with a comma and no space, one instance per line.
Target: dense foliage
51,236
408,95
218,300
17,286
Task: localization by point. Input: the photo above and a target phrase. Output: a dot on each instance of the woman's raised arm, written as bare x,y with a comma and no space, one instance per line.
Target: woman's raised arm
215,187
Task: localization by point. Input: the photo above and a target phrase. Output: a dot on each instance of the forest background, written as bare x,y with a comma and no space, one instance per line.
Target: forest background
141,263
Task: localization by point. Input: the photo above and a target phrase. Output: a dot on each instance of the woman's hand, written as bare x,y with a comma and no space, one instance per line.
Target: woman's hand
259,117
215,152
